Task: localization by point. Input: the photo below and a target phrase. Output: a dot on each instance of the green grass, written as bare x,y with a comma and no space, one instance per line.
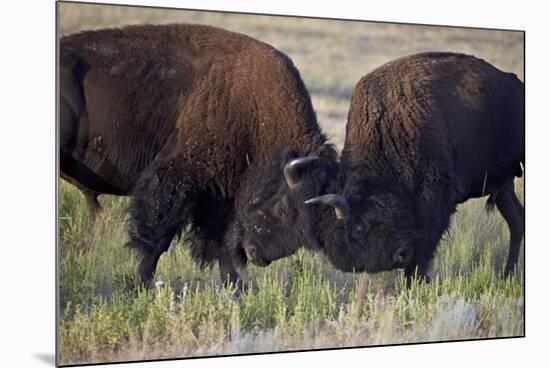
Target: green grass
300,302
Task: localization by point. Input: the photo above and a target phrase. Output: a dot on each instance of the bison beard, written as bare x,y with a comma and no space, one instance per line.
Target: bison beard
425,133
181,117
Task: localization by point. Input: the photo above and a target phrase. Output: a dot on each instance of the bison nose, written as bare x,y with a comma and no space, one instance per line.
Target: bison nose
403,256
250,251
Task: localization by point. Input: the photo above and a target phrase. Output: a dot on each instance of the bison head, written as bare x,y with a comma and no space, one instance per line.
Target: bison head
273,220
374,227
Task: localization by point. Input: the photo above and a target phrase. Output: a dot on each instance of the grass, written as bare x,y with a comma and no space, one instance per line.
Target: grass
300,302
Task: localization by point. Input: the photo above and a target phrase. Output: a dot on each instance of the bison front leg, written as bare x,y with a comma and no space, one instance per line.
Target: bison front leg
229,274
417,272
149,259
419,268
161,205
207,248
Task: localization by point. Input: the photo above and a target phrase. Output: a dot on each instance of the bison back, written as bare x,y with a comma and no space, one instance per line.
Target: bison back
438,119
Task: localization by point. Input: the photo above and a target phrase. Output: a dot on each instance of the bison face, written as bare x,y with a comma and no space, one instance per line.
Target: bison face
383,231
273,218
268,230
373,230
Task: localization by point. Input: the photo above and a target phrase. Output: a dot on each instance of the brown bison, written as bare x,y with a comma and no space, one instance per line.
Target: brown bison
425,133
184,118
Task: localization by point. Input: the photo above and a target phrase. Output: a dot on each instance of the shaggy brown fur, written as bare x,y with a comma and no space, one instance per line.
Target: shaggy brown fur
425,133
179,116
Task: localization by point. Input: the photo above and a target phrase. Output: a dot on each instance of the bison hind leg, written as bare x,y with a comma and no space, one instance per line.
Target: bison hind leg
512,210
89,195
91,202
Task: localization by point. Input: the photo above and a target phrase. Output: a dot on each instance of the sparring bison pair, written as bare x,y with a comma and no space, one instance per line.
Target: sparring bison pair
425,133
214,133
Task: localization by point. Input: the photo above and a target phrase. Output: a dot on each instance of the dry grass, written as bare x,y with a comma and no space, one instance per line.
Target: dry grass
300,302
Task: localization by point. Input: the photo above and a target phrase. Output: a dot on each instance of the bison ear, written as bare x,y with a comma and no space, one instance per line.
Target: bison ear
292,169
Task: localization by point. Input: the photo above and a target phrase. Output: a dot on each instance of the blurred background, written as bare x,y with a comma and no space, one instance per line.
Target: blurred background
331,55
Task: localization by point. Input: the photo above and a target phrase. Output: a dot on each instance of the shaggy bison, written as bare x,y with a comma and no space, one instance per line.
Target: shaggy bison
425,133
185,118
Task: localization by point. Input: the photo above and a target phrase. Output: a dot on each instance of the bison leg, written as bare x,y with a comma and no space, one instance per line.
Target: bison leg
206,247
89,195
423,255
150,258
91,201
161,205
417,271
211,217
229,273
512,210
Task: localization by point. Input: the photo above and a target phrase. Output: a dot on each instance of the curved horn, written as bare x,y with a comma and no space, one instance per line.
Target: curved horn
291,169
338,201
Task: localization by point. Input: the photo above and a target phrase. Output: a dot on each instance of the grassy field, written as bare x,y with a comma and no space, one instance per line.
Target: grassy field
300,302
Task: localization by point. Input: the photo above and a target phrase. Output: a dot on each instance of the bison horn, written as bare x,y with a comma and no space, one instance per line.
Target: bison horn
339,202
291,169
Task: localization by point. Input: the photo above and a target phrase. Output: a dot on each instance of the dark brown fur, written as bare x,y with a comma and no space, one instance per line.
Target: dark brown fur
425,133
179,116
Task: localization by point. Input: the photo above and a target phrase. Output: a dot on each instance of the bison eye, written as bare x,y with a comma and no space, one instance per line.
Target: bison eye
358,231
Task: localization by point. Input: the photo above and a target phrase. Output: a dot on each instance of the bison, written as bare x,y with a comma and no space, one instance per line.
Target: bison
185,118
425,133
